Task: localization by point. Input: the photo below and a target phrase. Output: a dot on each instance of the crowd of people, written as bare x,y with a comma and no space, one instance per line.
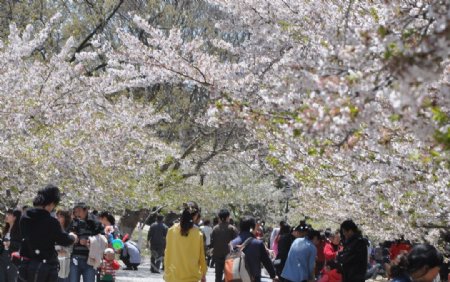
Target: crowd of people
39,244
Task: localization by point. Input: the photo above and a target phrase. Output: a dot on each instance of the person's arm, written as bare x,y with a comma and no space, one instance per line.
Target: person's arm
265,260
202,262
115,265
167,252
211,243
235,232
329,253
61,237
110,238
312,263
125,250
150,233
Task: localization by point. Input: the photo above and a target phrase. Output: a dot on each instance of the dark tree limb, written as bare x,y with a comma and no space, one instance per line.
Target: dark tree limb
98,28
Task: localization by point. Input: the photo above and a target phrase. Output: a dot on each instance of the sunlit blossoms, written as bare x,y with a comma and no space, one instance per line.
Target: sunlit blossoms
348,100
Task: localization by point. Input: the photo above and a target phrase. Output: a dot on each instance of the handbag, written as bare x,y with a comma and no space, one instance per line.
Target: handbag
235,269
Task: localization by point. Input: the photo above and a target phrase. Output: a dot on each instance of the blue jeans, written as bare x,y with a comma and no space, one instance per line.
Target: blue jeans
81,269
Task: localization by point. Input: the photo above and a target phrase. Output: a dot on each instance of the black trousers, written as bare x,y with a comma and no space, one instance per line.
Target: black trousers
37,271
219,265
157,256
126,261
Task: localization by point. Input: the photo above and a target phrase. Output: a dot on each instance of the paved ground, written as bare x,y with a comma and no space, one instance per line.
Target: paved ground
144,274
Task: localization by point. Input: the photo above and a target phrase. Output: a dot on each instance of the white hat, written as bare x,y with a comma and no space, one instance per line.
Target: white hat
109,251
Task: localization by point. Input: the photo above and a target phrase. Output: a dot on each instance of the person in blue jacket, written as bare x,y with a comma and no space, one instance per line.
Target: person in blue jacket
300,263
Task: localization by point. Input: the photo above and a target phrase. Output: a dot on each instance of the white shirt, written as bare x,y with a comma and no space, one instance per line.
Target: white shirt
207,230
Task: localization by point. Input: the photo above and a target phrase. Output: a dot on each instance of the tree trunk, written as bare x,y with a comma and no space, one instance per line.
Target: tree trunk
130,219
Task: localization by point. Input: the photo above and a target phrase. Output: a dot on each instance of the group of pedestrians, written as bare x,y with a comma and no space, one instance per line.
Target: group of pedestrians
41,245
345,255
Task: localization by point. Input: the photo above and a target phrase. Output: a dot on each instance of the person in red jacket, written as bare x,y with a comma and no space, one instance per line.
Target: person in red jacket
108,267
403,246
330,251
332,246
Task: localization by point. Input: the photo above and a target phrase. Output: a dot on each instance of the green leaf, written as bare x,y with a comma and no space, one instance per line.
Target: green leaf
395,117
374,14
382,31
312,151
440,117
443,138
354,111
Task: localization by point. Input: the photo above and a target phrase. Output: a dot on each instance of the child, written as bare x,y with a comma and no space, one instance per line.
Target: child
109,266
330,273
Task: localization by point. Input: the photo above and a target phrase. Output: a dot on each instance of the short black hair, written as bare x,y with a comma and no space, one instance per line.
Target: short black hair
423,255
108,216
224,214
81,205
46,196
349,225
159,217
285,229
313,233
207,222
247,223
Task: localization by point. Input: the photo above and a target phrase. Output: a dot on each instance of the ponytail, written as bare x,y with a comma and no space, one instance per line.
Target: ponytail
190,209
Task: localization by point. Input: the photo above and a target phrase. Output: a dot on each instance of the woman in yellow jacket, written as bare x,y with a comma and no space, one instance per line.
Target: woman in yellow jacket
184,258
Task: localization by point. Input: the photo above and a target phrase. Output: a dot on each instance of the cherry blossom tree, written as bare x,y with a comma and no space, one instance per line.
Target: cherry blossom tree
342,95
349,100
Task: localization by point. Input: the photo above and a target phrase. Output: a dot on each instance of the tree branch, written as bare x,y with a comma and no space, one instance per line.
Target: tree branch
99,27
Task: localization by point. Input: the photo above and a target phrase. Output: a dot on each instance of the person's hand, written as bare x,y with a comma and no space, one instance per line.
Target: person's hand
109,230
276,279
74,236
271,254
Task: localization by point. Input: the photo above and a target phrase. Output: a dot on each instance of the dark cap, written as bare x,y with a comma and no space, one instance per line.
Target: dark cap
80,205
302,228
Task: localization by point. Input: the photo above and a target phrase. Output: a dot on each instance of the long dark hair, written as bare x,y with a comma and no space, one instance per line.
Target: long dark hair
67,218
190,209
15,230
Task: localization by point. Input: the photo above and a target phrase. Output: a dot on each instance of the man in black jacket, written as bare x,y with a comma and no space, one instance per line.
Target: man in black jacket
221,236
157,241
40,232
84,225
353,258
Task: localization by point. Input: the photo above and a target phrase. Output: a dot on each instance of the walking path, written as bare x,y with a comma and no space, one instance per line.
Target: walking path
144,274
